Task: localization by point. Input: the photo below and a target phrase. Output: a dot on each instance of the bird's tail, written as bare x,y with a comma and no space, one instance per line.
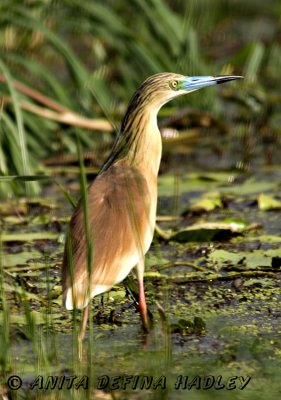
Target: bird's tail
75,297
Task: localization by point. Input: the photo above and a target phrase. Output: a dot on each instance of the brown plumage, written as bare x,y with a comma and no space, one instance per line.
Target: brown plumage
118,217
122,199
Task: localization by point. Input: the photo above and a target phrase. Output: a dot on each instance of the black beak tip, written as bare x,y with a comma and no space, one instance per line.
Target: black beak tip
225,78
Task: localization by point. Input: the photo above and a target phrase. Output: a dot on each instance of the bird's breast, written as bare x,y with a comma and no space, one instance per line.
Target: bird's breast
152,187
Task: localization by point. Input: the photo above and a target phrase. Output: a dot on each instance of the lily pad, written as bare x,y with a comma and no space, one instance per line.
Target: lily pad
206,232
28,236
192,182
250,260
11,260
225,257
267,202
207,203
249,187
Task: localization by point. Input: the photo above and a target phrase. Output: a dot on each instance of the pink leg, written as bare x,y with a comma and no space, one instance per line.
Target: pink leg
142,302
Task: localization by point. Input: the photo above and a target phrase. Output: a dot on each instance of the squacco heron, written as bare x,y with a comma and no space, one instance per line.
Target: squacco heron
122,199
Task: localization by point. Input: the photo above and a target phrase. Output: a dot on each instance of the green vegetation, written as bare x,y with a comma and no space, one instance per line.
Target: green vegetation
66,65
67,71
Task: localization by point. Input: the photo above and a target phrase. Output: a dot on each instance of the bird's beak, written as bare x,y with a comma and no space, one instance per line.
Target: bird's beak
190,83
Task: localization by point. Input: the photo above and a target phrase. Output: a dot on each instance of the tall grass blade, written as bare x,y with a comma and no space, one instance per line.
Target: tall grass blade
32,188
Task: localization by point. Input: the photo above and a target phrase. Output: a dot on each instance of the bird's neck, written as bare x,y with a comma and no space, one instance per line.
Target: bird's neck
139,142
145,148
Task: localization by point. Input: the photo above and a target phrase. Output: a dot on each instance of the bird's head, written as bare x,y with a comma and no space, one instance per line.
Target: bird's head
160,88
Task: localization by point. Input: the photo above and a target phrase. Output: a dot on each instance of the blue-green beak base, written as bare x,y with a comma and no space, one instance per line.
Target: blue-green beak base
197,82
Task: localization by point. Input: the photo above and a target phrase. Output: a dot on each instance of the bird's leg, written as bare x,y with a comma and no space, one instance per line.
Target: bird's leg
142,302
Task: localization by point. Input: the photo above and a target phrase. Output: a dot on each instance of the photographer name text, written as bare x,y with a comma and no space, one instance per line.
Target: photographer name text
133,382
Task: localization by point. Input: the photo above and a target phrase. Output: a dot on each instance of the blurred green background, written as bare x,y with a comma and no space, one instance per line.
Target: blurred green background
64,64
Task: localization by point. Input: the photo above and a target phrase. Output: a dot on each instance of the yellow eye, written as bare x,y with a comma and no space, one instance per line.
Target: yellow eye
173,84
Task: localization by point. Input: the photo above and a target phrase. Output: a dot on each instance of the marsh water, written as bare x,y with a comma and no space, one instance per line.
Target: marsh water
213,294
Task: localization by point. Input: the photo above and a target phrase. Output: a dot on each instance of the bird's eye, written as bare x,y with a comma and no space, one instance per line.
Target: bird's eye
173,84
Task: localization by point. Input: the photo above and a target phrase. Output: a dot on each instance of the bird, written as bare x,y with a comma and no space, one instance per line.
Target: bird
122,200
